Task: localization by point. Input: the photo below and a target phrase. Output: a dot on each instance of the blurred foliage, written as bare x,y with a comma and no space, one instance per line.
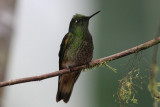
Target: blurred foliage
154,85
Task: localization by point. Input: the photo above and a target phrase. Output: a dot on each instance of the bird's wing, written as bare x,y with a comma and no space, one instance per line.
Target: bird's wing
68,38
66,81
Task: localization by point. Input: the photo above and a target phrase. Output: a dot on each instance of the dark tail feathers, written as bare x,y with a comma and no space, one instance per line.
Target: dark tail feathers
65,85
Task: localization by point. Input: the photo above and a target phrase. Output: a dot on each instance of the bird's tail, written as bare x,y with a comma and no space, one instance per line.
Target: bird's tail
65,85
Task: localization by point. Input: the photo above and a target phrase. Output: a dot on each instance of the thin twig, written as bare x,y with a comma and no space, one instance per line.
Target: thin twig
91,64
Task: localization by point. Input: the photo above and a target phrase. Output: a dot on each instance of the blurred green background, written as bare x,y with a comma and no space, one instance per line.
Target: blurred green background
36,29
125,24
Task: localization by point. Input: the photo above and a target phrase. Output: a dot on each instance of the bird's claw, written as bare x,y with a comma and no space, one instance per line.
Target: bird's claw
71,69
87,64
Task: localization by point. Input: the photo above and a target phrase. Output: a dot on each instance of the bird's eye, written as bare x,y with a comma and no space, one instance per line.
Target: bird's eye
78,20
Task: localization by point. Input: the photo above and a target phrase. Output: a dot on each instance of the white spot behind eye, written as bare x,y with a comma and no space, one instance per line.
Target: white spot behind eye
76,21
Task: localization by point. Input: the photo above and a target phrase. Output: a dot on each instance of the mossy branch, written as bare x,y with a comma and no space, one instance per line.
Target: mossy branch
92,64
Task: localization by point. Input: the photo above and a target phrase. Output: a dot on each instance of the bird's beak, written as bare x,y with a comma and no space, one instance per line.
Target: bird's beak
93,14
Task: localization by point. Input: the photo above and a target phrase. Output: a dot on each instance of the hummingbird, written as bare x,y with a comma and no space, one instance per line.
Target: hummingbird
76,49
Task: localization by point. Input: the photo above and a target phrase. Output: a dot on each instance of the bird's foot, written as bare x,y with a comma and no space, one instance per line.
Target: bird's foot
87,64
71,69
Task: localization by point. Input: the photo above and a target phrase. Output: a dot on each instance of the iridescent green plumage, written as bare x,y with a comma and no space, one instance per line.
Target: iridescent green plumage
76,49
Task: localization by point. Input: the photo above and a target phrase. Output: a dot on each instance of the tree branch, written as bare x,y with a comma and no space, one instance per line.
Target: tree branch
91,64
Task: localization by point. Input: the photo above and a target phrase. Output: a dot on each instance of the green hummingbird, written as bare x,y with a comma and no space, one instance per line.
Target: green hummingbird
76,49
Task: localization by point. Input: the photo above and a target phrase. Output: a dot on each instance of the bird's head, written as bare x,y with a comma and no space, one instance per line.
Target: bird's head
80,21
